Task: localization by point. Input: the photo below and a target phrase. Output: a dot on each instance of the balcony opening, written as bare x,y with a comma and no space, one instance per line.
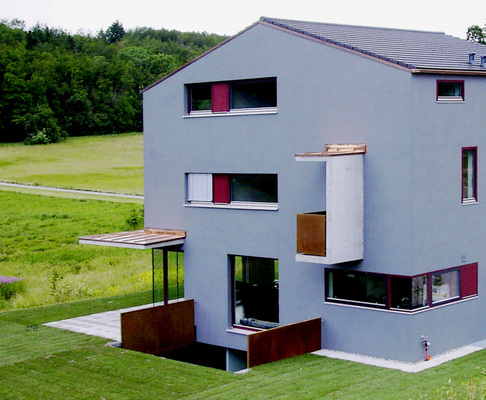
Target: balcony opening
311,233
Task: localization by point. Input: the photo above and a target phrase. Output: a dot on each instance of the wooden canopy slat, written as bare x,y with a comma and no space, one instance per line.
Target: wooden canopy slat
143,238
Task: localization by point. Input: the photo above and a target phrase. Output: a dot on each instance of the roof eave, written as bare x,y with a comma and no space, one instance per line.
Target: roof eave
439,71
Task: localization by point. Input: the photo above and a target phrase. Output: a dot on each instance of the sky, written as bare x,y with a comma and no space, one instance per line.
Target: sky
230,17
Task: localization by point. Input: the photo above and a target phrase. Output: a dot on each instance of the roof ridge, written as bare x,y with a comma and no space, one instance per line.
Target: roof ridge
378,28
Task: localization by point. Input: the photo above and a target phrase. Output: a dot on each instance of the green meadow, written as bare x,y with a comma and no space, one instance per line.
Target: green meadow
111,163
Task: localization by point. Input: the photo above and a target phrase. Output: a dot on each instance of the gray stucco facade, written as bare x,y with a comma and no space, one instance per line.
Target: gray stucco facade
414,220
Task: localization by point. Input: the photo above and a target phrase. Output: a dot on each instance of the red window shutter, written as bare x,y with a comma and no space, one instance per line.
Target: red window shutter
220,97
469,280
221,189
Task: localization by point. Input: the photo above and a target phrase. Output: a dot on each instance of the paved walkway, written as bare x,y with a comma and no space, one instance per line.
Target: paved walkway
107,325
89,192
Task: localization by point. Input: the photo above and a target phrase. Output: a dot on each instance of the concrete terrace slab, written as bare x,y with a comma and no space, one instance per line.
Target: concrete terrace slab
106,324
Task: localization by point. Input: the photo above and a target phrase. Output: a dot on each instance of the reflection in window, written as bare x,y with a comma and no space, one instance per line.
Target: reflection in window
200,96
357,287
408,293
445,286
469,173
255,291
254,94
254,188
450,90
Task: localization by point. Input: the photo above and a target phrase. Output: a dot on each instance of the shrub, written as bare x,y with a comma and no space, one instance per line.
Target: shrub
134,219
9,286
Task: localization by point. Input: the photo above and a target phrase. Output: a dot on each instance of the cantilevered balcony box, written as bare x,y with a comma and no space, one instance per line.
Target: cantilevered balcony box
335,235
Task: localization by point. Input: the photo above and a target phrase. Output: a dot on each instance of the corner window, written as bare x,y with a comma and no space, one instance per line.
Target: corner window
232,189
408,293
251,96
450,90
254,282
402,293
469,175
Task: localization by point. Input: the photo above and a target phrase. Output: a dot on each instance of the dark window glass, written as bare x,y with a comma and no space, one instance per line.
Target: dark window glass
201,97
254,188
254,94
255,291
408,293
450,90
357,287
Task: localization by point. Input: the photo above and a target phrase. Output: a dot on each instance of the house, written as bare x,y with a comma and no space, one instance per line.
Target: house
320,171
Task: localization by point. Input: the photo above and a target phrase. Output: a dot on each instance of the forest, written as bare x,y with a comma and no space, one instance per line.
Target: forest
54,84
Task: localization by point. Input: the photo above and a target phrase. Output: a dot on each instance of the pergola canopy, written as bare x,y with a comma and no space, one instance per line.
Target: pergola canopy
140,239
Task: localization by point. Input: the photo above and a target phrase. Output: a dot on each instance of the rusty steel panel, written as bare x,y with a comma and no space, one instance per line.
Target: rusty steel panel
158,329
311,233
284,342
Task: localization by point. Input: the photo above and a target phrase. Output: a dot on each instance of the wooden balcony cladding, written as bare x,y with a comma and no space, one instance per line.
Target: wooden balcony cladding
159,329
284,342
311,233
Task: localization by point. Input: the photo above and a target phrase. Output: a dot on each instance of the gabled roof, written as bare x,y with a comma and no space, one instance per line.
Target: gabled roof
418,51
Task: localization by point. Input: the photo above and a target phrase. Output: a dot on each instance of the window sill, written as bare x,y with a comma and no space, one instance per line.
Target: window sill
243,331
242,111
451,100
403,311
236,206
469,202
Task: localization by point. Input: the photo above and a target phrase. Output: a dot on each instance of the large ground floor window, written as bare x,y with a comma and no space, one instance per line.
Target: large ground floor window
404,293
254,283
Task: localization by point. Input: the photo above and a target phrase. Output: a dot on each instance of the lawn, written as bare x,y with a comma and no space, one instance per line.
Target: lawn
112,163
39,362
39,243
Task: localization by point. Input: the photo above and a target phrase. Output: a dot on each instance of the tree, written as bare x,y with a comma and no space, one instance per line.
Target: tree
115,32
476,34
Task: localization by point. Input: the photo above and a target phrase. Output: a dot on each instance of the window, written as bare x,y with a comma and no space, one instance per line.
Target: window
254,291
402,293
469,175
357,287
236,189
450,90
445,286
408,293
238,96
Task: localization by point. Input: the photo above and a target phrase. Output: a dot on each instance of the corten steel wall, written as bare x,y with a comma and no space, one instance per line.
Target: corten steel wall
157,329
413,218
284,342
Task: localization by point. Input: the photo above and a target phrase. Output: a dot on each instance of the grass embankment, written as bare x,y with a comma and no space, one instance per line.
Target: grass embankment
112,163
39,362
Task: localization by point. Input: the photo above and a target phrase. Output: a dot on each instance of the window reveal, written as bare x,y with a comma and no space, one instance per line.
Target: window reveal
222,97
230,188
254,291
469,174
450,90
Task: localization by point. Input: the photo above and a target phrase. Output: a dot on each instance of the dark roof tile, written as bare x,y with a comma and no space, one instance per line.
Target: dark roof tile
408,48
